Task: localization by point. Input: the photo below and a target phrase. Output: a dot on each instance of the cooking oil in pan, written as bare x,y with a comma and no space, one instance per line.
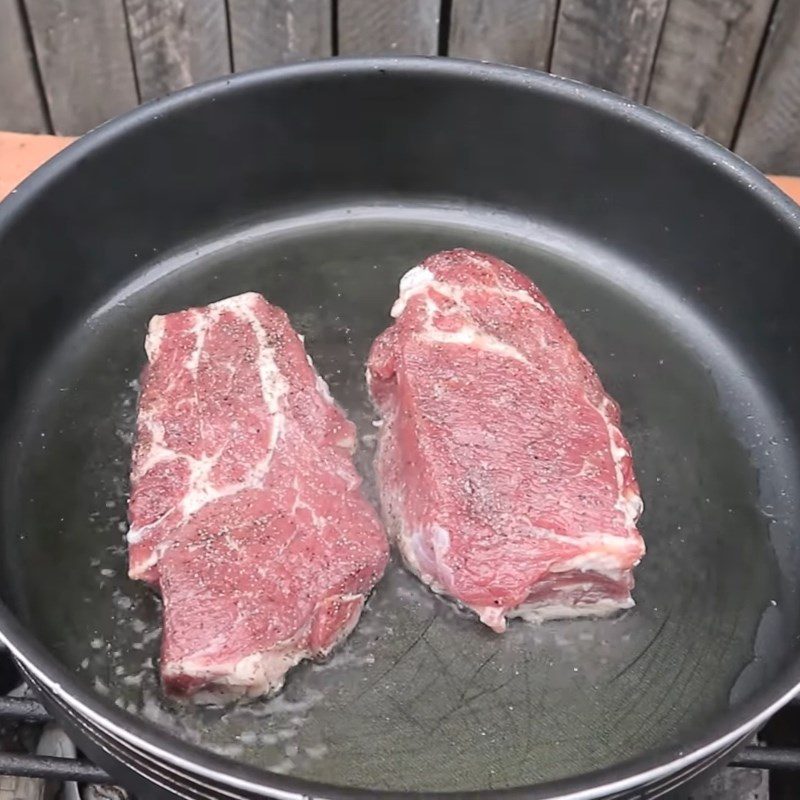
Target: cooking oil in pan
421,696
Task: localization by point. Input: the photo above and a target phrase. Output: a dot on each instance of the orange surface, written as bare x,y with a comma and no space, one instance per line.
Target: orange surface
21,153
789,185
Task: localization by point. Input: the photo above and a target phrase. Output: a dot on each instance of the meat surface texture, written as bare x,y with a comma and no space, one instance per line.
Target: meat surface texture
246,511
505,480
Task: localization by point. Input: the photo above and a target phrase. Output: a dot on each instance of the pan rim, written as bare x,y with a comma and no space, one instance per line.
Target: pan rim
651,767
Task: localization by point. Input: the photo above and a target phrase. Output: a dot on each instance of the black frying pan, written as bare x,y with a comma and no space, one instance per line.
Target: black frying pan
673,263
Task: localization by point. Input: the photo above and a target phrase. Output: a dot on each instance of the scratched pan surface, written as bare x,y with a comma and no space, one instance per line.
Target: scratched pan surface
688,320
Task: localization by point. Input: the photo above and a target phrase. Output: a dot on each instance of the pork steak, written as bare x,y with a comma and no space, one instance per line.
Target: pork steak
246,511
504,477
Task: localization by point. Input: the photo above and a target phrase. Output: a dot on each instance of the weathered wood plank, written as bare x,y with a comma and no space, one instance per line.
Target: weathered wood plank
279,31
611,45
704,62
373,27
177,43
770,133
516,32
21,106
85,61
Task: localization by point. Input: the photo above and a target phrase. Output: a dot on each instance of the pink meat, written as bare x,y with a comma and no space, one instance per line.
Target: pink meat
246,511
504,477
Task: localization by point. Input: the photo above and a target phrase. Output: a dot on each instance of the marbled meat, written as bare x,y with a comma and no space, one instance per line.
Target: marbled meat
246,511
505,479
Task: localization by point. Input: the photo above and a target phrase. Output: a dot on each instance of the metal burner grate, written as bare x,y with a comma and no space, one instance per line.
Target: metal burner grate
36,766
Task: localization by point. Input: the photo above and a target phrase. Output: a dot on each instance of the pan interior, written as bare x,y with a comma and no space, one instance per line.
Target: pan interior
421,697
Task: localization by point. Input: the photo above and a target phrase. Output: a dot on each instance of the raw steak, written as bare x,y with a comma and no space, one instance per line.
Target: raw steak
504,477
246,510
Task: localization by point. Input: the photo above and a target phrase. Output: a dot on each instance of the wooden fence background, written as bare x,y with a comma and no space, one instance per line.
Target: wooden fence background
730,68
